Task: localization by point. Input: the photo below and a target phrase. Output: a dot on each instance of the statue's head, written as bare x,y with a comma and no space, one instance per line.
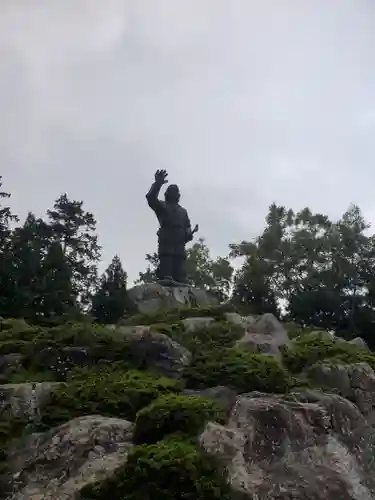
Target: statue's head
172,194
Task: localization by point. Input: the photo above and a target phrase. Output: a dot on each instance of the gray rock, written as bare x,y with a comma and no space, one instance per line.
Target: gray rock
60,361
9,365
309,445
355,382
238,320
155,351
223,395
25,401
61,461
332,376
323,334
152,297
266,335
359,342
194,324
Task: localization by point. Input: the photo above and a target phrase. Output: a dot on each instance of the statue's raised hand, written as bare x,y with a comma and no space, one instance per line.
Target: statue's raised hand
161,177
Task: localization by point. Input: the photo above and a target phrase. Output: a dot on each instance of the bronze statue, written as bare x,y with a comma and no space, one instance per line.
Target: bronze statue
174,232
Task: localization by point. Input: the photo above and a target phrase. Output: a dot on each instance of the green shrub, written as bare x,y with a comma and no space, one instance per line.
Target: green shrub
16,336
17,329
312,348
214,336
175,413
240,370
168,470
42,348
176,315
295,330
106,392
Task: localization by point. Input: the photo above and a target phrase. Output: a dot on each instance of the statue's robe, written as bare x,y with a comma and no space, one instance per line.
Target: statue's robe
173,234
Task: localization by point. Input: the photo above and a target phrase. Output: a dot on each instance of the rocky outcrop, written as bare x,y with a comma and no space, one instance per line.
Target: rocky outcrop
265,335
305,445
355,382
152,297
309,445
223,395
195,324
237,319
359,342
55,465
24,401
148,348
9,365
155,351
60,361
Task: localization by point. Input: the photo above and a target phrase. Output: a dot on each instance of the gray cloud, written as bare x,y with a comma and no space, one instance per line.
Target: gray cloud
243,102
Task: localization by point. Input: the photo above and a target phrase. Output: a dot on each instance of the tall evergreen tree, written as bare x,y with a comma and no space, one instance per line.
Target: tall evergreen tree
110,302
29,246
252,292
7,284
75,229
57,297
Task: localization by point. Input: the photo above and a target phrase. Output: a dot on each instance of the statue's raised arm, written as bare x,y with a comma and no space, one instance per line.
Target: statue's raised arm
153,195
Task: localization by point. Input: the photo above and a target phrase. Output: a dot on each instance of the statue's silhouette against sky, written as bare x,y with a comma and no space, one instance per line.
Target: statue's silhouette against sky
175,229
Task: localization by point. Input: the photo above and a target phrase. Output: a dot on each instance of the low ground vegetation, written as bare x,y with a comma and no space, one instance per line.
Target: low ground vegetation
166,461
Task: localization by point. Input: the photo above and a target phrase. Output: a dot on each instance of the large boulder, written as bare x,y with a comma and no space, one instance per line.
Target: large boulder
153,297
355,382
61,360
55,465
359,342
25,401
148,348
265,335
196,323
225,396
306,446
10,364
238,320
155,351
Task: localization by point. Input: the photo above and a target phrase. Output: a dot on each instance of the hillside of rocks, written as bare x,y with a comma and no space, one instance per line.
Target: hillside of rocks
187,404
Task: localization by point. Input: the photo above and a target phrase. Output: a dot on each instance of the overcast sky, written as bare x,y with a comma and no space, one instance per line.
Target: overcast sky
244,102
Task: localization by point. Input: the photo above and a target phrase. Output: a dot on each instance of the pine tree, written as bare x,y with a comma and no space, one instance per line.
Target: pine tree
57,297
111,302
29,246
7,283
75,229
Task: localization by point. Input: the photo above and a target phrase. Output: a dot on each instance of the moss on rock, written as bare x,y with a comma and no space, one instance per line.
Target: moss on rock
168,470
105,391
176,315
239,370
175,414
214,336
313,348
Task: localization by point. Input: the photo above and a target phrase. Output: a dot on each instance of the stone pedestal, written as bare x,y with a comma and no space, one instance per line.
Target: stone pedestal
152,297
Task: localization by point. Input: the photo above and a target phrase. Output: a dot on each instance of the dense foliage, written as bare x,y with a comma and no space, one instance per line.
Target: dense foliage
321,271
111,393
240,370
175,413
54,310
168,470
103,377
